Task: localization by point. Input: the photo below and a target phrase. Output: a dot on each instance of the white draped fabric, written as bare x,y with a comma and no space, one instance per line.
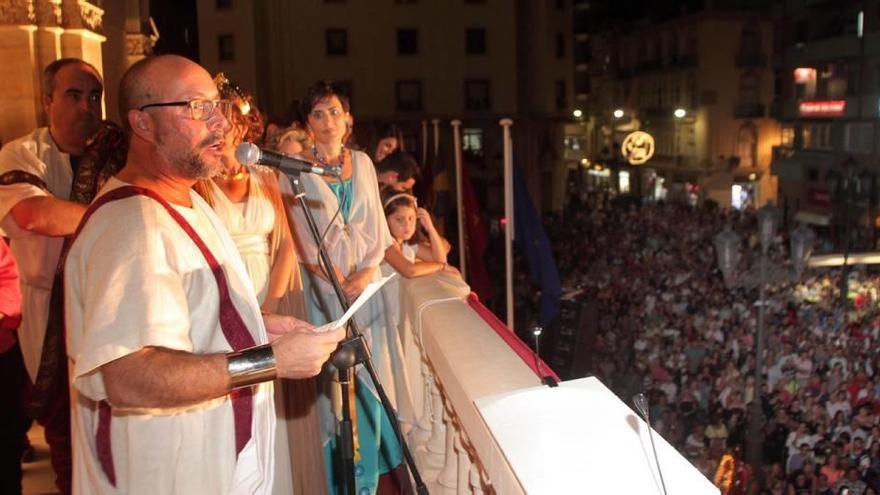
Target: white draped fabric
351,246
134,279
249,225
36,255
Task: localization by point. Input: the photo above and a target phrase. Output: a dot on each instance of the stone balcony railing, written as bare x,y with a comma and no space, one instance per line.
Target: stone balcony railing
458,352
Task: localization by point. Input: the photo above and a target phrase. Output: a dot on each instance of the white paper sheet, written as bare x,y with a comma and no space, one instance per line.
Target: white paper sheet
368,292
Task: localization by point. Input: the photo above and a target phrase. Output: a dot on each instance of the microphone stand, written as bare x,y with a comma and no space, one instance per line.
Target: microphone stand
545,379
351,352
641,403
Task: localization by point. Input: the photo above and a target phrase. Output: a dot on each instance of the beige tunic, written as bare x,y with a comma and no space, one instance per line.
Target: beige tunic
135,279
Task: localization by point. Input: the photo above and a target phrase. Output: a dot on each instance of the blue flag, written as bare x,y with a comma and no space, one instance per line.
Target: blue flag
531,238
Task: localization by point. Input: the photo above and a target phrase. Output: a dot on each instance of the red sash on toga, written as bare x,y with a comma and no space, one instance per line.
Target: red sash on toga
234,329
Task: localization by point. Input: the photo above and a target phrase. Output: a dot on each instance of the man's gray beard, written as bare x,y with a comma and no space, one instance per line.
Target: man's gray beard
188,164
194,167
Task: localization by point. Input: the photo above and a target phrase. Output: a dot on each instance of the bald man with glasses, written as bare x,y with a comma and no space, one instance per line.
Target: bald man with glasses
171,359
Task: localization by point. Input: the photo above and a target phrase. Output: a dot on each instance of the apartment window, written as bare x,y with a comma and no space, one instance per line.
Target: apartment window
409,96
851,83
747,145
475,41
749,88
407,42
225,47
876,78
787,134
561,95
472,141
337,42
817,136
859,137
224,4
560,45
476,95
573,143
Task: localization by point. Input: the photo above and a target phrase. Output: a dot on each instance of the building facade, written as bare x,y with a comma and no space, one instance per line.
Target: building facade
700,85
413,61
827,65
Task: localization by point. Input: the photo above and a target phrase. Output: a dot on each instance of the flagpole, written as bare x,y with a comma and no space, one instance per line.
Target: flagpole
424,142
459,197
508,216
436,123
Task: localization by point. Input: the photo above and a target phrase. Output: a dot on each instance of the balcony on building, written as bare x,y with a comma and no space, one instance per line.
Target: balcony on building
791,164
749,110
751,59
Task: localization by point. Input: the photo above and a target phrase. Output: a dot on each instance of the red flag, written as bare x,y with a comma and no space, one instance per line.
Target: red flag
476,239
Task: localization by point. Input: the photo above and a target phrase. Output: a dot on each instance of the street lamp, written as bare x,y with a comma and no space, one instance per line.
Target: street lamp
618,114
848,187
577,113
679,113
727,250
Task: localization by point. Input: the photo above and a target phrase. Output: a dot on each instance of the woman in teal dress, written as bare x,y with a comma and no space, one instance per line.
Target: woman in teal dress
349,213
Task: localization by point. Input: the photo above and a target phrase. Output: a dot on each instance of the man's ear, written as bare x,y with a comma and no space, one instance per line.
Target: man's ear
141,124
46,100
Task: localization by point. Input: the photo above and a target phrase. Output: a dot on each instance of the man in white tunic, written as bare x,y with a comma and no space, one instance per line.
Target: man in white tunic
156,314
36,213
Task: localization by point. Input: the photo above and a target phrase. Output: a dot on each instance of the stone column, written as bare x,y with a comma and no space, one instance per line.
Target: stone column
35,33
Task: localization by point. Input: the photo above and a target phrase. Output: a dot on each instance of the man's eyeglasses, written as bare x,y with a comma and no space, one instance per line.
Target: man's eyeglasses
200,109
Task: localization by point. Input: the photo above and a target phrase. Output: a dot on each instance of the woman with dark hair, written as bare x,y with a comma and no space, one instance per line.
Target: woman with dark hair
349,213
389,140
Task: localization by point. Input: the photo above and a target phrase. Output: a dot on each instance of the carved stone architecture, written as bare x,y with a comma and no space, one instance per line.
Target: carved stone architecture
33,33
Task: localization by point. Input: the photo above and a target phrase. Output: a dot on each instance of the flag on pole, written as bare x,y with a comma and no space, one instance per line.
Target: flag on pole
476,239
535,245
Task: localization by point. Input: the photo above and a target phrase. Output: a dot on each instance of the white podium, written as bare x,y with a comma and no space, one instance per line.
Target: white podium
580,438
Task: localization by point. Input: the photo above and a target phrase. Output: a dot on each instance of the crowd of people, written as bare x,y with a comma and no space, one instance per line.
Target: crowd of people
669,326
173,292
160,298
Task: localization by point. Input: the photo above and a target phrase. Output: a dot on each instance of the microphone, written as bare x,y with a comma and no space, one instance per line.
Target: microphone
250,154
641,403
546,379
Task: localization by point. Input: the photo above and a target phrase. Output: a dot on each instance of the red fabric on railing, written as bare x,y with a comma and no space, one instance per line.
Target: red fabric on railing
511,339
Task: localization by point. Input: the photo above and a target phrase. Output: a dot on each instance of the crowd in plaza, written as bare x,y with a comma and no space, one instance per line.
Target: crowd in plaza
669,326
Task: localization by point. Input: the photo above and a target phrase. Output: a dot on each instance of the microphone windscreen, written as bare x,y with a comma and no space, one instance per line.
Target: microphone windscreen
247,153
641,403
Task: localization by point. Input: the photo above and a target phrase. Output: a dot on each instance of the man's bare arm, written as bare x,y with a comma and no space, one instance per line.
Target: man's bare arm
156,377
159,377
47,215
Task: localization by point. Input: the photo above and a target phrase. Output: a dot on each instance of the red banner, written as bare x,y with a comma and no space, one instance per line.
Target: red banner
818,197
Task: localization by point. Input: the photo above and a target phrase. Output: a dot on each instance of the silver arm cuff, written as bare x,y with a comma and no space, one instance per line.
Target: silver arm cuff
251,366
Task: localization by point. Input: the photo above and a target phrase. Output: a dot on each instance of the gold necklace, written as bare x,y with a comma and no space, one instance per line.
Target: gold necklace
239,175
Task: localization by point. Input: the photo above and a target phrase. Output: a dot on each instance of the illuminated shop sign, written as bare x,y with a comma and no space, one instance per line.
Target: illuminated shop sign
637,148
825,108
